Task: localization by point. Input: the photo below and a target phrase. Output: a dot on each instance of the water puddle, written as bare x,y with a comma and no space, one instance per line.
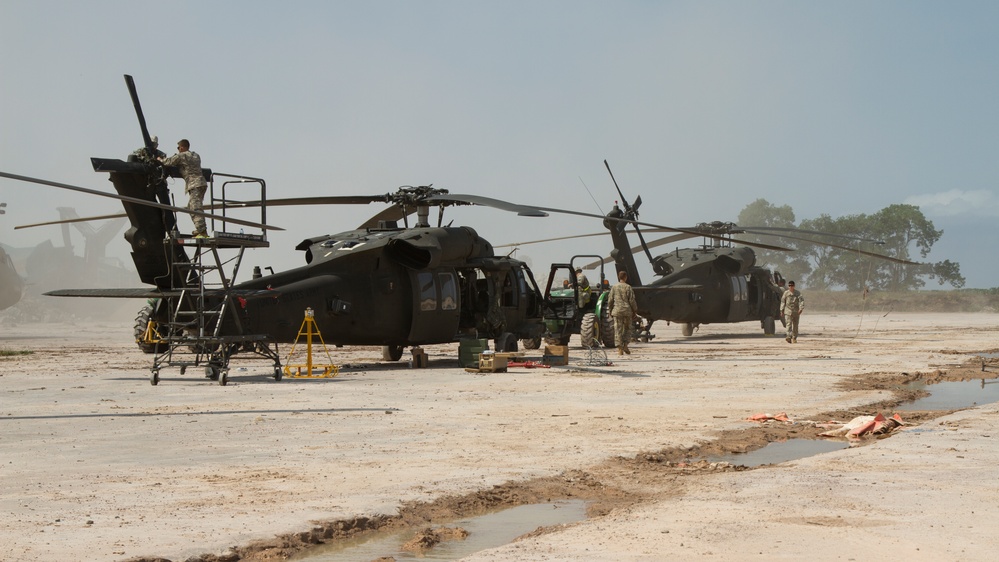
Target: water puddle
953,395
485,531
782,451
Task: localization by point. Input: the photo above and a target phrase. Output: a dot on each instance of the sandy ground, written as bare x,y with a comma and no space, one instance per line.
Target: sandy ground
97,464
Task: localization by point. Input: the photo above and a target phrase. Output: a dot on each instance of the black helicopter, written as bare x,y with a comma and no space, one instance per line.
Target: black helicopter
716,282
381,284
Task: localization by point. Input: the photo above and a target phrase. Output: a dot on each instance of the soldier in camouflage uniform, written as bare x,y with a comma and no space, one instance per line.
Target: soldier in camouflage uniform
624,309
194,182
792,304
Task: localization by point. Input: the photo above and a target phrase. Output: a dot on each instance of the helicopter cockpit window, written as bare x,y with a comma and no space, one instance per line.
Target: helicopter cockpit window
449,292
428,293
509,296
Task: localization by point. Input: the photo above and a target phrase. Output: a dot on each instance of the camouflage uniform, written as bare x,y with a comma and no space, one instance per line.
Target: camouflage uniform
195,185
621,303
791,304
584,289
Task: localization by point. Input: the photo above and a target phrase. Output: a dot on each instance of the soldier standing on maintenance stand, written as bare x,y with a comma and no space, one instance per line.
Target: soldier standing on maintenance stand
792,304
194,182
624,309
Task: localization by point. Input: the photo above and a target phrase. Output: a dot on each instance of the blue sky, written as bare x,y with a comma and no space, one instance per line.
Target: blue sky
701,107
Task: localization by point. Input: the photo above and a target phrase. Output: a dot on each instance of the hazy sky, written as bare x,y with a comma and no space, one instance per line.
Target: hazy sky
701,107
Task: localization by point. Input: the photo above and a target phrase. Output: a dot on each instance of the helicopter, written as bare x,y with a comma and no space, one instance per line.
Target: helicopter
716,282
381,284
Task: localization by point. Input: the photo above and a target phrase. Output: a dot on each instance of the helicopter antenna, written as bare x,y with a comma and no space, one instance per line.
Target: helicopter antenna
591,195
632,211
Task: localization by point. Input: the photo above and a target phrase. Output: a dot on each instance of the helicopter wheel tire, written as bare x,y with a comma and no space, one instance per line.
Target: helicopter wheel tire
687,329
506,342
607,331
587,330
392,352
769,326
531,343
154,378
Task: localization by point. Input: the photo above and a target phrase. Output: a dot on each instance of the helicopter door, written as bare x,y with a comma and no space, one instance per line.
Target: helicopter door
739,308
435,318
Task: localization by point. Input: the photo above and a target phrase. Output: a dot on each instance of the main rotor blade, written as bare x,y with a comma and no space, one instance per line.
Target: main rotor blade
138,112
762,231
522,210
69,221
863,252
137,201
319,200
605,233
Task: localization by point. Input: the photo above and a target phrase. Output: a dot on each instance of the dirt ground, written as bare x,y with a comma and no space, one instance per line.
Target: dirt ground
98,464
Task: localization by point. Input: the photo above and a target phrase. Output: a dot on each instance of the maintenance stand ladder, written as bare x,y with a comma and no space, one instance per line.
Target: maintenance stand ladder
199,307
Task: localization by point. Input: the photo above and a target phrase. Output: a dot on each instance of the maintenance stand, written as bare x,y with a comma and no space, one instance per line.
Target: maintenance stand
202,298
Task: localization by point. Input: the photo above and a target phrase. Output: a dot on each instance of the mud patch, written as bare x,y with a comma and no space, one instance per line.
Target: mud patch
616,483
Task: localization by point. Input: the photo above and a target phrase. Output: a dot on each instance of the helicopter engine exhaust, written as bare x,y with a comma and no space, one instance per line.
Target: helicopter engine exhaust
429,248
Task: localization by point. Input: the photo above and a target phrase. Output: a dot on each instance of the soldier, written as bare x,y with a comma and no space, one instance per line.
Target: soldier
584,287
142,153
624,309
792,304
194,182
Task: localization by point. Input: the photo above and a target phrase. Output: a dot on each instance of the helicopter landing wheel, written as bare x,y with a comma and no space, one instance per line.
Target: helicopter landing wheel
392,352
531,343
154,377
506,342
223,377
278,374
212,372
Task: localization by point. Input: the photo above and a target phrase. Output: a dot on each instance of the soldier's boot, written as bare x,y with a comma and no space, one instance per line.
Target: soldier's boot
794,340
620,350
626,350
788,339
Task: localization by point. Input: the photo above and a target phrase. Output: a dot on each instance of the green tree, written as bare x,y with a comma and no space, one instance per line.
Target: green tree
895,230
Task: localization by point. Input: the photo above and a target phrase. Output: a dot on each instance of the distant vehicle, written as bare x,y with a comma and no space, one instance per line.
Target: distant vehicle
571,309
11,284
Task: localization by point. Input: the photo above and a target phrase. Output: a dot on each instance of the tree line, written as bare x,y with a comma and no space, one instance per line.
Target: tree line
903,229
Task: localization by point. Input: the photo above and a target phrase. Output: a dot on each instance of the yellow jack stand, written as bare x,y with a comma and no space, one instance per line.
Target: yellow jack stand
151,335
308,330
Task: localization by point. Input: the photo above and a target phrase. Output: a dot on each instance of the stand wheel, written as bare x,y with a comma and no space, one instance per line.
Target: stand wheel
278,374
224,377
154,377
183,369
